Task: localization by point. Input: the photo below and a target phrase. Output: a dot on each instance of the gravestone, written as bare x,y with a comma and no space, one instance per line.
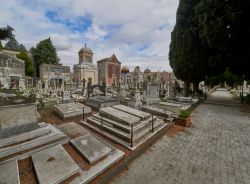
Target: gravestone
136,100
123,91
71,109
66,96
22,84
152,95
91,148
53,165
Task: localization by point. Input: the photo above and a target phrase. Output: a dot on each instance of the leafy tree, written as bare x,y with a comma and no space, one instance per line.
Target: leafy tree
1,46
22,48
6,33
187,54
14,45
44,52
29,69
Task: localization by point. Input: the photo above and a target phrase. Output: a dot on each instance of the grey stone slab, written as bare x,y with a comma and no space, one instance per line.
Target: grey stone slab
11,116
91,148
102,101
55,135
157,111
71,109
8,132
72,129
135,112
25,136
119,115
9,173
53,165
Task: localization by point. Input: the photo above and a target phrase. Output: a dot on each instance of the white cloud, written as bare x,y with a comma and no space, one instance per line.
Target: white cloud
138,32
94,33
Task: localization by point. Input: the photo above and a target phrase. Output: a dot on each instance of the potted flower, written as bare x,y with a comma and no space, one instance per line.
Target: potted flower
184,118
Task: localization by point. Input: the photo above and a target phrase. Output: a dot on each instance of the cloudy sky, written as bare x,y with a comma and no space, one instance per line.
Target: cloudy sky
137,31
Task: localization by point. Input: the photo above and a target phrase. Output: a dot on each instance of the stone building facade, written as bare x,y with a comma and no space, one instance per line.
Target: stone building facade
109,71
85,70
56,75
137,77
12,71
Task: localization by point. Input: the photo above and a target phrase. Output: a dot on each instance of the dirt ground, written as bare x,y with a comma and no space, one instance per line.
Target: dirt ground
27,172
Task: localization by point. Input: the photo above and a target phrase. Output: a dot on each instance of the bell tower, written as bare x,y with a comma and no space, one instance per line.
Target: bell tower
85,55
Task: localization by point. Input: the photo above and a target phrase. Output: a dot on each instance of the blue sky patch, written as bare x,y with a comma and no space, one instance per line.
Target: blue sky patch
80,24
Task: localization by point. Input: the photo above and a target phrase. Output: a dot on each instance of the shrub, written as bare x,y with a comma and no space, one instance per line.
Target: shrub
184,113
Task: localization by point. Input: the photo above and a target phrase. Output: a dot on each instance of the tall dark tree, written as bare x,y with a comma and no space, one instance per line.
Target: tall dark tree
44,52
29,69
6,33
226,30
187,54
1,46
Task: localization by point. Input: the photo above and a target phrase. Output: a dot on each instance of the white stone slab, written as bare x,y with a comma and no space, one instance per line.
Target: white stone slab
53,165
138,113
9,173
119,115
71,109
91,148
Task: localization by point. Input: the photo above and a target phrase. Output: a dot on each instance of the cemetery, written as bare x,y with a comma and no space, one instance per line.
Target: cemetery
65,129
79,130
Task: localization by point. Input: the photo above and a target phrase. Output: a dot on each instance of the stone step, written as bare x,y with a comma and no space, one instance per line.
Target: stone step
55,135
123,127
25,136
120,116
144,128
113,130
135,112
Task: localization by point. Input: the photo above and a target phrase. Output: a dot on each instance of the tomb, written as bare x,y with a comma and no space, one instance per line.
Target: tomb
71,109
136,100
184,100
28,140
157,111
91,148
152,95
125,125
101,101
174,107
53,165
13,115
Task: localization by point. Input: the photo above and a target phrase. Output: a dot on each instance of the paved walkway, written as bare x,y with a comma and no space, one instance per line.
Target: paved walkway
216,149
